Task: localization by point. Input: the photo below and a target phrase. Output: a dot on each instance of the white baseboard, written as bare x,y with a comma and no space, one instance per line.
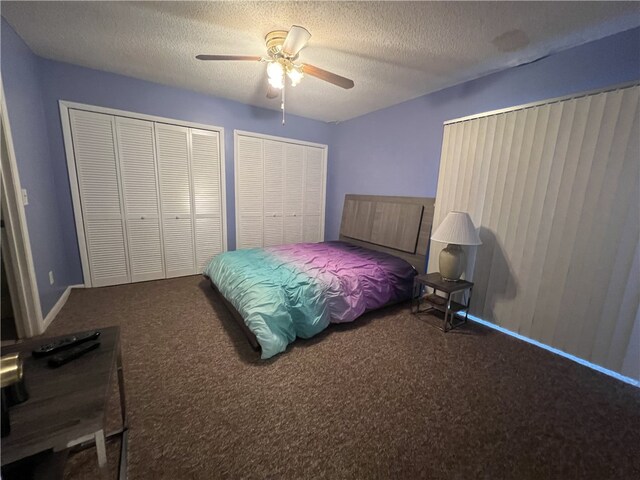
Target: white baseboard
581,361
58,306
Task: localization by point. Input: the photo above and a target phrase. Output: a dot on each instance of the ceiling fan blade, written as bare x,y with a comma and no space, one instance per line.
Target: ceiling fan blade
272,92
253,58
327,76
296,39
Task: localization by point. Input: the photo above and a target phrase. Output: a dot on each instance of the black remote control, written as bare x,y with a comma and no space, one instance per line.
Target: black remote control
55,347
71,354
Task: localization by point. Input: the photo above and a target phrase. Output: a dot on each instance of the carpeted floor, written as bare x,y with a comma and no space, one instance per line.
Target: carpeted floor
387,397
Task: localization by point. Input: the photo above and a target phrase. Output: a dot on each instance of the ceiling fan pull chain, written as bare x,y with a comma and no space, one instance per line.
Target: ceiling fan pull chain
284,87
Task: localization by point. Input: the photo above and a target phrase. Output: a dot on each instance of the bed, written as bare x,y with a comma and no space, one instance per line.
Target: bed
280,293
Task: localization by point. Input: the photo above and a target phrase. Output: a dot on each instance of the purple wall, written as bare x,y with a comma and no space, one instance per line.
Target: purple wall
396,151
22,87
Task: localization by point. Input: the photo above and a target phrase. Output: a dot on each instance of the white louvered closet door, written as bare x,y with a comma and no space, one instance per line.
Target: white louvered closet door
273,193
293,193
99,186
207,188
249,191
136,148
312,228
172,147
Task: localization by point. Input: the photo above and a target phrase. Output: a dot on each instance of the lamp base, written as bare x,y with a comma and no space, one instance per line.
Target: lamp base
449,279
452,262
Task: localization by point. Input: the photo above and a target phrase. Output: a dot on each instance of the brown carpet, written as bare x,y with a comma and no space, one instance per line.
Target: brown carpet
387,397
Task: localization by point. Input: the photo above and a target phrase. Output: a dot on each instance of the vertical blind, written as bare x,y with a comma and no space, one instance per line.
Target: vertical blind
554,190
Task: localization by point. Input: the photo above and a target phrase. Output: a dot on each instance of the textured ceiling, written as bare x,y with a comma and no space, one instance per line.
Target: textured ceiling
394,51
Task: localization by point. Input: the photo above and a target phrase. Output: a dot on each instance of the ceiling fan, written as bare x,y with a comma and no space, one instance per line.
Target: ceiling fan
283,49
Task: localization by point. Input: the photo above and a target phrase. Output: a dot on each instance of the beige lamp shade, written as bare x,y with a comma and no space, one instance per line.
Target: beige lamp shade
457,228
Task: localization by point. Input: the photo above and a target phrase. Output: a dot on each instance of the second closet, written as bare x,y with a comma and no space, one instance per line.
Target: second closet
280,190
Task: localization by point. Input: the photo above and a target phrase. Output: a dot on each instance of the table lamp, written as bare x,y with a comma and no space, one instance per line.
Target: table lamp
456,229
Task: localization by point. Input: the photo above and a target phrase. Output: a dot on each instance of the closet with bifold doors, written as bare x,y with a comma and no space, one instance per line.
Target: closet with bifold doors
280,190
149,202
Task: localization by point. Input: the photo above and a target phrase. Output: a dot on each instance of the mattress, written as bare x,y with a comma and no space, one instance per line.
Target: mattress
297,290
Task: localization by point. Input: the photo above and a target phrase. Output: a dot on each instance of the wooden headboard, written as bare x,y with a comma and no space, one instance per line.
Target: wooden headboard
400,226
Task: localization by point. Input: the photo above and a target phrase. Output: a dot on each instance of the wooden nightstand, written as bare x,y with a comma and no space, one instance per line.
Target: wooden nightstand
437,302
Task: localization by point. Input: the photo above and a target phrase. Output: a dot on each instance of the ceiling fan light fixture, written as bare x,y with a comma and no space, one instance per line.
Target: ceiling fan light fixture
276,83
275,72
295,74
